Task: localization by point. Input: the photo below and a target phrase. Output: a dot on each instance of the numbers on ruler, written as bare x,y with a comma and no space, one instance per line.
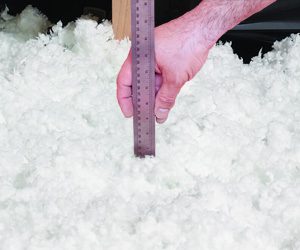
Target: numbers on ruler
142,74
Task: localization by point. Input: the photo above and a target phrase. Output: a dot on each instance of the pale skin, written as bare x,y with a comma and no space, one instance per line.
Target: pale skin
182,47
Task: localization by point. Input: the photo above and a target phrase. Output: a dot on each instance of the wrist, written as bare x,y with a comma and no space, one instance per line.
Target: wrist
206,23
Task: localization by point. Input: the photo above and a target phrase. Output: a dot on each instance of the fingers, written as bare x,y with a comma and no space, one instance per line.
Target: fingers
124,88
165,101
165,98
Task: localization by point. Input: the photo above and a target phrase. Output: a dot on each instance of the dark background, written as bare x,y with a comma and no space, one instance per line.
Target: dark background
246,43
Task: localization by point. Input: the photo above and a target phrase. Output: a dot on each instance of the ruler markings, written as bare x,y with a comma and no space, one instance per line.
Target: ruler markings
143,72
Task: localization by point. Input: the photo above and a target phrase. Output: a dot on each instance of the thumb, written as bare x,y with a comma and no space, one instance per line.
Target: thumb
165,101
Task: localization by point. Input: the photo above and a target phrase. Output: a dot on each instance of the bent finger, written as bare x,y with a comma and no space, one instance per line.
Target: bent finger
165,101
124,88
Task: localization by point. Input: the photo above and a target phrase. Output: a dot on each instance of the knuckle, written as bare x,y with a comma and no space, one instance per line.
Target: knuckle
169,101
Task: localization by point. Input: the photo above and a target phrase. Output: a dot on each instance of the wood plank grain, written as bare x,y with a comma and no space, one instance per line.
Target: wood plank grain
121,18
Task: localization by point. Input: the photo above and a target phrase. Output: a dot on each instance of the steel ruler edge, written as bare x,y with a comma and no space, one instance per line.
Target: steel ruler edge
143,76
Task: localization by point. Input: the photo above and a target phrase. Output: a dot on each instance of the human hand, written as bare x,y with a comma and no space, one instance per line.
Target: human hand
181,49
177,61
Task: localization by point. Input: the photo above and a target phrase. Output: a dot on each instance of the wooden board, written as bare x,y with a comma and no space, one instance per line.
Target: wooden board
121,18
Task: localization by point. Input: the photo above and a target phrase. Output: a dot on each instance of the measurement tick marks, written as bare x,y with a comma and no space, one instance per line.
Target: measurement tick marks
143,76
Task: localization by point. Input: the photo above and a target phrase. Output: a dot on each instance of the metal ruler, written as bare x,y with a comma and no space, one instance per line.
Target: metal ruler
143,76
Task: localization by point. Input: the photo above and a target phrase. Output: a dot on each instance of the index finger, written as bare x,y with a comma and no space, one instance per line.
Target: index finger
124,88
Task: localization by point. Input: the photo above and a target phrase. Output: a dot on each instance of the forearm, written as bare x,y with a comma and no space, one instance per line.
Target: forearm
212,18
